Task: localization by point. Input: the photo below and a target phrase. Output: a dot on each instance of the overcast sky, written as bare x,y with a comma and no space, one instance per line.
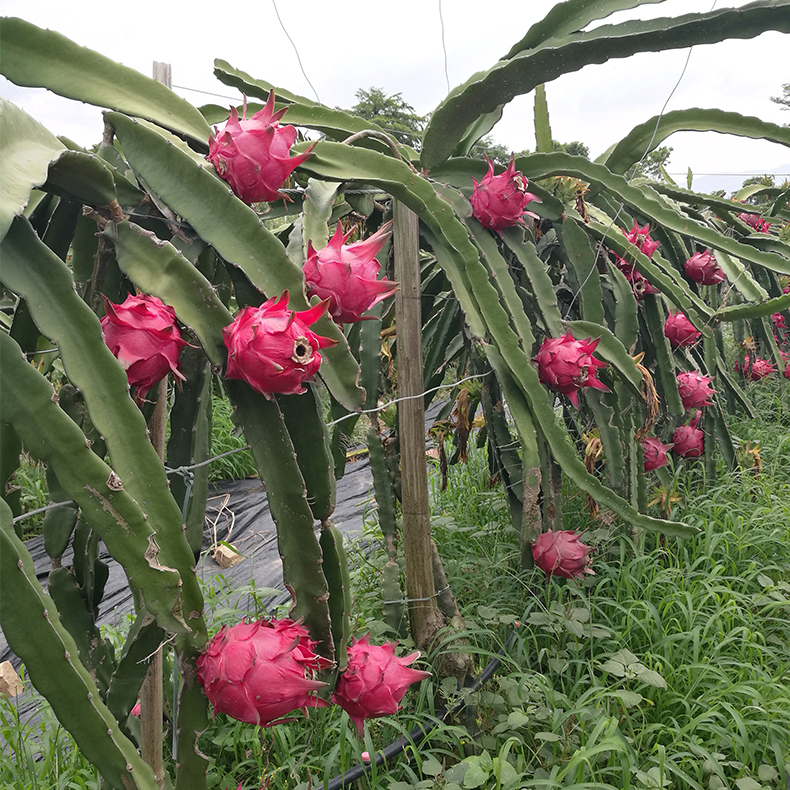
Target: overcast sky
398,47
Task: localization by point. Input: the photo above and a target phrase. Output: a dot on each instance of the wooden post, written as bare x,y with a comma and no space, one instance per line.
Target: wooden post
424,615
152,691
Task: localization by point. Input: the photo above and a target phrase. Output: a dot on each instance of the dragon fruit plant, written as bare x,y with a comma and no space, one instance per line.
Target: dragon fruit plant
496,300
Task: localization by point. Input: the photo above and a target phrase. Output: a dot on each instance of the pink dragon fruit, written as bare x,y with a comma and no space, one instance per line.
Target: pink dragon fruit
562,554
375,681
566,365
500,202
641,237
695,389
259,672
253,155
787,370
760,369
703,269
654,453
639,284
680,331
779,321
755,221
143,335
346,274
272,348
688,440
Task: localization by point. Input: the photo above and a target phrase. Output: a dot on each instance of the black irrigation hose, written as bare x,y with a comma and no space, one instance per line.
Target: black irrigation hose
421,733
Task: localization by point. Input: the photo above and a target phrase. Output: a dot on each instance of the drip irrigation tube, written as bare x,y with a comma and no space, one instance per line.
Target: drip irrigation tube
421,733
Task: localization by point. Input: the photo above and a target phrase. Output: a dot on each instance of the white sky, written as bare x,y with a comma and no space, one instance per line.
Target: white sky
398,47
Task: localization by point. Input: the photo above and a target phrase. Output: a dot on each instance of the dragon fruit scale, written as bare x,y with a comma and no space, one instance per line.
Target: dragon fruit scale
680,331
695,390
641,237
566,365
375,681
272,348
688,441
703,269
562,553
259,672
143,335
500,202
253,154
347,274
654,453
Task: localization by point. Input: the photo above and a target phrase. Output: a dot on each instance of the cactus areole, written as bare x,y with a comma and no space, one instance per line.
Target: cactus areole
272,348
259,672
562,554
253,155
567,365
347,274
500,202
375,681
143,335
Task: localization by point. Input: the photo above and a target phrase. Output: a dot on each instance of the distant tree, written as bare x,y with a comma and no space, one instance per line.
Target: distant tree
487,146
784,99
575,148
392,114
766,181
650,166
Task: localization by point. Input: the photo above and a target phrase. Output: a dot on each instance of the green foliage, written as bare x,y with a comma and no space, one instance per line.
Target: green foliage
392,113
650,166
784,99
575,148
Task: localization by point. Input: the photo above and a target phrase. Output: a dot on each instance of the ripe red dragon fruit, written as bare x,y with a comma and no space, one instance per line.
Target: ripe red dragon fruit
641,237
259,672
566,365
562,554
639,284
688,441
787,370
755,221
680,331
760,369
253,155
143,335
654,453
347,274
272,348
779,321
500,202
375,681
703,269
695,389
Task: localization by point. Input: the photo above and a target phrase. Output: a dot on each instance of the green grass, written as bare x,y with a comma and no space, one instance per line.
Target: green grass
668,668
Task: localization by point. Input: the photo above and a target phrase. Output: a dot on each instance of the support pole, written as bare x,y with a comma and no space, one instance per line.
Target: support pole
424,615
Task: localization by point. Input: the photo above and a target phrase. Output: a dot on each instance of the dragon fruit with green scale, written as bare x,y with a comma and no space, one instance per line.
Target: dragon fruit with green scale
347,274
567,365
375,681
273,348
253,154
500,201
260,672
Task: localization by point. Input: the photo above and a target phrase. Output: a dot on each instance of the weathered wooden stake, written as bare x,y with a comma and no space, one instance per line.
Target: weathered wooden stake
424,615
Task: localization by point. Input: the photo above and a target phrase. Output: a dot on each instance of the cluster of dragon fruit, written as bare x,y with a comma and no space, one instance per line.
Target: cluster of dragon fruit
261,672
